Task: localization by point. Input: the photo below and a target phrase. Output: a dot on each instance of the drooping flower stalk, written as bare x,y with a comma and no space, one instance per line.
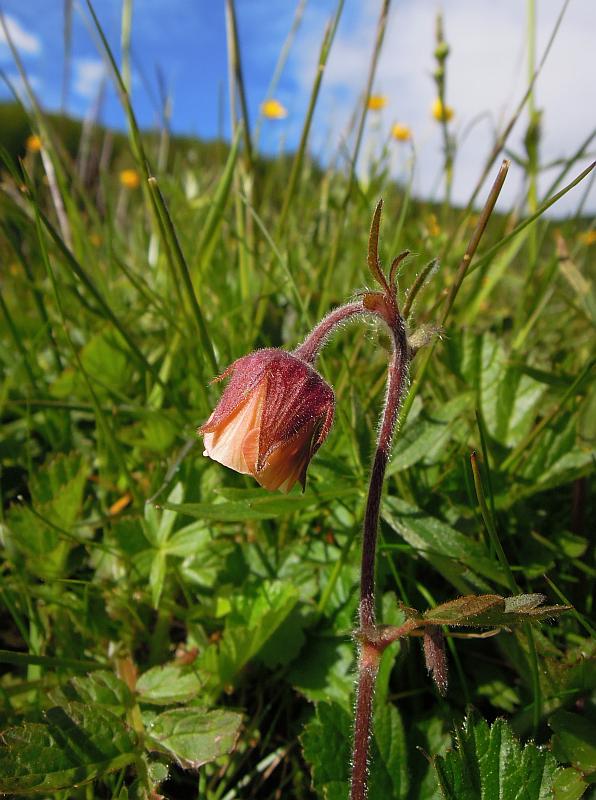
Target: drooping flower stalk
316,339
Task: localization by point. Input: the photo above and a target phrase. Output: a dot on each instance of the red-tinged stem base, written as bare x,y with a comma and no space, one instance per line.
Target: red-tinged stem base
367,674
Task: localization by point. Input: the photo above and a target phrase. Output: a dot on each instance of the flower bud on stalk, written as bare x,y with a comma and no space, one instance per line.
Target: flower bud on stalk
273,416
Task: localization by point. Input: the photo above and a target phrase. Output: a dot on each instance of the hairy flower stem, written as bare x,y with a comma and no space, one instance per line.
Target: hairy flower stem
396,380
370,646
316,339
381,305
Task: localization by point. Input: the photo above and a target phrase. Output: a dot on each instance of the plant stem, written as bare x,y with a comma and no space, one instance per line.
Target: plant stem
368,663
381,305
311,346
370,650
396,378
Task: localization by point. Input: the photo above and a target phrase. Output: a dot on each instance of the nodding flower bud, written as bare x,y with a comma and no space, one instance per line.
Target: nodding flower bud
273,416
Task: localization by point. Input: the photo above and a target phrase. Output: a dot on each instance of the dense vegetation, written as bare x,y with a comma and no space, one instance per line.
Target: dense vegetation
166,625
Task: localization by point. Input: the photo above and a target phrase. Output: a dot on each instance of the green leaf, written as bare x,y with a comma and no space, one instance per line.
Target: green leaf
190,540
75,744
571,546
327,745
523,602
60,484
194,736
157,576
569,785
326,748
254,618
424,438
463,610
101,688
492,610
160,524
203,567
259,506
390,738
57,495
490,763
556,458
458,556
285,643
158,527
325,671
106,361
574,740
426,735
494,685
508,398
156,432
168,684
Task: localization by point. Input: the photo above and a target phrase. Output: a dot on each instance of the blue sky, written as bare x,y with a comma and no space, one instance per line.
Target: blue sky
185,41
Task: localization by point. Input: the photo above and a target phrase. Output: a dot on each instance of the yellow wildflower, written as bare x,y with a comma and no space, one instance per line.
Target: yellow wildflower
95,239
441,111
588,237
33,143
273,109
401,132
432,225
130,179
376,102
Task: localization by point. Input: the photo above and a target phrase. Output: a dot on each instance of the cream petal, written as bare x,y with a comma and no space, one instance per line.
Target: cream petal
250,449
225,444
286,464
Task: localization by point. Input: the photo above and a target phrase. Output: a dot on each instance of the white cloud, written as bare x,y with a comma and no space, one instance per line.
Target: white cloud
486,74
23,40
89,73
18,85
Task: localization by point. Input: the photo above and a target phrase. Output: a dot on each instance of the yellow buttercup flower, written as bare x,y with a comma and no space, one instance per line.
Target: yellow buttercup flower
588,237
376,102
130,179
432,225
33,143
273,109
441,111
401,132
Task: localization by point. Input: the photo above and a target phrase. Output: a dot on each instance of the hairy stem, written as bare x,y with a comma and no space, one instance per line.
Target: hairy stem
311,346
368,664
381,305
371,648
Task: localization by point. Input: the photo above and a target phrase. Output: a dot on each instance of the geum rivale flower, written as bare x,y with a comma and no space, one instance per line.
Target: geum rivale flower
274,414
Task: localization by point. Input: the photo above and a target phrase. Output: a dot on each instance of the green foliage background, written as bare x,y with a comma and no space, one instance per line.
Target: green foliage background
166,623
